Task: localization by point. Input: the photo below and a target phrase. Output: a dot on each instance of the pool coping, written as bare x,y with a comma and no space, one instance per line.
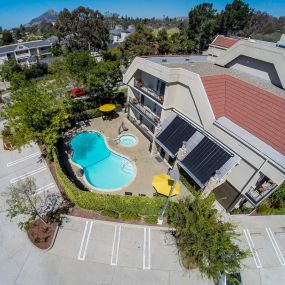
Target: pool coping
127,134
112,150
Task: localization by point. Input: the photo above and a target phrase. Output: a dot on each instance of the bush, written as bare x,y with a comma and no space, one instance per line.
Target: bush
143,206
130,216
264,209
86,115
151,219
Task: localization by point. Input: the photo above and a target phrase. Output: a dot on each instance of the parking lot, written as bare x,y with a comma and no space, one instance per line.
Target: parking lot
18,165
97,252
264,237
115,244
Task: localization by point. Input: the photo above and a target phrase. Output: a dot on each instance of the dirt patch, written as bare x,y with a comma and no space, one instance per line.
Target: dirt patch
187,262
42,235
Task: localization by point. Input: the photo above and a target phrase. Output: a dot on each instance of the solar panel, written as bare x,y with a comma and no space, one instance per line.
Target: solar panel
203,161
175,133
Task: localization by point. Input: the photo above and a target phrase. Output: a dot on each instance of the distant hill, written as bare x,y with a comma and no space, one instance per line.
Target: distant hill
48,17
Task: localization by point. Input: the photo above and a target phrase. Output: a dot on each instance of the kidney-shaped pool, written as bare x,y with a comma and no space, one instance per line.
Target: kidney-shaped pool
103,169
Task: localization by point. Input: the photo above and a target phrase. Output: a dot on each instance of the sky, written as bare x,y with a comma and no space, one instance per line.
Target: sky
16,12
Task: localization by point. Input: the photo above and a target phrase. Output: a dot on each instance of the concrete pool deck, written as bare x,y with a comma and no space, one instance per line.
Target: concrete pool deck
147,166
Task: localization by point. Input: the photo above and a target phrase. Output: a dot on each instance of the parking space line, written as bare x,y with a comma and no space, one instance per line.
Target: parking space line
252,248
275,246
116,245
44,188
85,240
146,248
9,164
28,174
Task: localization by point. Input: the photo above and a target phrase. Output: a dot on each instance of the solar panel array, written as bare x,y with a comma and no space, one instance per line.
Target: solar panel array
175,134
205,159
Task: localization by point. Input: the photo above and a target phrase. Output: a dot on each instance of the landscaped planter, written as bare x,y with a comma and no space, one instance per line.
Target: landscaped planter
6,144
42,235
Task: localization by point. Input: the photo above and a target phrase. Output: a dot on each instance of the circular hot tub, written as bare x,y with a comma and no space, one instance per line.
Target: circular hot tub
127,140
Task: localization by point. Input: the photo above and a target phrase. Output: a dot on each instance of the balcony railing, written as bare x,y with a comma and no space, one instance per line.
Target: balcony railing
134,102
154,94
256,194
143,128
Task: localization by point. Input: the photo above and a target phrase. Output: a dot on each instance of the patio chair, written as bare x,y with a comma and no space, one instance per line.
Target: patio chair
142,195
128,194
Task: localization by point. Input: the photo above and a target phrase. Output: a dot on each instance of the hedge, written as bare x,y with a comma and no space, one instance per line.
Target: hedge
143,206
87,114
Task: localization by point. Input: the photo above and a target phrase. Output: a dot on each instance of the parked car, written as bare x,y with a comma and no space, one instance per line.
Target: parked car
78,91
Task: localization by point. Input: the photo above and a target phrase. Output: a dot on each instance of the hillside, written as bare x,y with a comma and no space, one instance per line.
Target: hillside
49,16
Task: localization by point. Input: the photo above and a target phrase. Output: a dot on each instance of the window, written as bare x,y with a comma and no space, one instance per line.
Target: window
160,87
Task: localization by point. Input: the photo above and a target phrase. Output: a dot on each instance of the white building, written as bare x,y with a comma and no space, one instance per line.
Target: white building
119,34
22,52
223,125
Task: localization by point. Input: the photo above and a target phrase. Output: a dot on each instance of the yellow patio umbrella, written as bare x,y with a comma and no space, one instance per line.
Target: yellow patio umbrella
107,107
162,184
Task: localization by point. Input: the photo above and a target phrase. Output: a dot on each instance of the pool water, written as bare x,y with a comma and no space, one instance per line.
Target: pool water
103,169
127,140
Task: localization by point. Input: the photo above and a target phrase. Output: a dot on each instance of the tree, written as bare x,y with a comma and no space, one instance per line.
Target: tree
36,70
203,240
103,77
180,44
82,29
24,202
9,68
18,80
78,64
163,42
37,113
202,25
7,38
141,42
235,18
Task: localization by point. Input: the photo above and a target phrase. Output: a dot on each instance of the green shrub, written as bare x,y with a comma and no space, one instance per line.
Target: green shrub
151,219
143,206
190,185
264,209
110,214
130,216
86,115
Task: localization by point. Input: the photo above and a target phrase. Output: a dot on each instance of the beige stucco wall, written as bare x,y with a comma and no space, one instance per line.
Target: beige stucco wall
186,94
255,67
241,175
176,98
259,51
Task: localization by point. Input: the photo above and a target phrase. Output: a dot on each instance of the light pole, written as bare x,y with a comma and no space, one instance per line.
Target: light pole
174,174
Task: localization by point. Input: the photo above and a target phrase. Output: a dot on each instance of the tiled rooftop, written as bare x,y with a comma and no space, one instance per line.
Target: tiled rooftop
257,111
225,42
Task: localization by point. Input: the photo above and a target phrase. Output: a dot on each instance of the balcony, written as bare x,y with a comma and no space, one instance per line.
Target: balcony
44,51
143,128
154,119
152,93
257,193
22,55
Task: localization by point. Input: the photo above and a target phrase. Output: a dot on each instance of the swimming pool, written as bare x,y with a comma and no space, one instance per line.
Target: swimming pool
127,140
104,169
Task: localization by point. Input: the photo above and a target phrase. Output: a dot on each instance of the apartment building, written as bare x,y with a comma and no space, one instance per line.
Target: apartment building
119,34
224,126
27,51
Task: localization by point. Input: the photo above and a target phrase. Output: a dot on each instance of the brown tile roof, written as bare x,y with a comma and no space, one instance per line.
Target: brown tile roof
225,42
259,112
